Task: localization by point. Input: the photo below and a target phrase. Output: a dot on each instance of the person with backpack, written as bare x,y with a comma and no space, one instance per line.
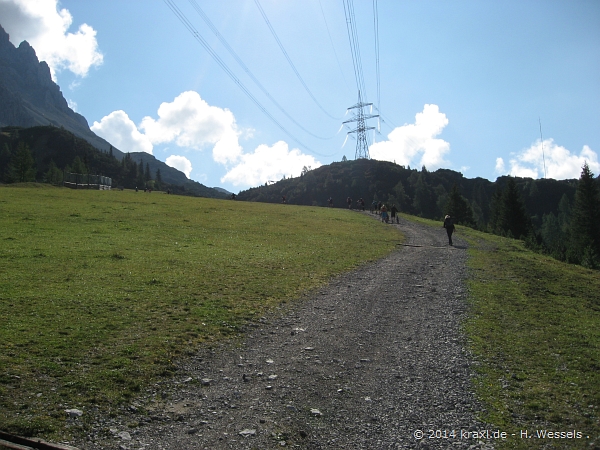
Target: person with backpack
449,226
394,211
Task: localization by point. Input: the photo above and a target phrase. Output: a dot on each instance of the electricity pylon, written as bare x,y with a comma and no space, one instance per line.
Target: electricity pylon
362,147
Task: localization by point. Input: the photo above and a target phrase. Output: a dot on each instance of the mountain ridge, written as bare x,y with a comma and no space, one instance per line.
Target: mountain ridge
30,98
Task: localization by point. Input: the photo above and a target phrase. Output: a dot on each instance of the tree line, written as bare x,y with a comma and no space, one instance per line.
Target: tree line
59,152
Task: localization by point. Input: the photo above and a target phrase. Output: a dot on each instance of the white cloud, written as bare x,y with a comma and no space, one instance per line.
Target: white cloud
180,163
191,122
268,163
40,23
72,104
499,165
560,162
407,143
118,129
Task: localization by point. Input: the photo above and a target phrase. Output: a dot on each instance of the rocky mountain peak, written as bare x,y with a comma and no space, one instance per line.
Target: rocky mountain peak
29,96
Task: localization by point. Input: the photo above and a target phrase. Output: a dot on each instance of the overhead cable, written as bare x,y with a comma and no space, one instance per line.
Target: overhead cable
289,60
187,24
208,22
332,45
376,30
354,47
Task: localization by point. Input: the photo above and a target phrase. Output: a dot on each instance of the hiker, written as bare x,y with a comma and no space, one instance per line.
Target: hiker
349,201
384,214
449,226
283,199
373,206
394,211
362,204
330,202
379,205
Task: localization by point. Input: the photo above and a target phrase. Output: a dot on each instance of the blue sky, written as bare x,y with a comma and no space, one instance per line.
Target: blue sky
463,84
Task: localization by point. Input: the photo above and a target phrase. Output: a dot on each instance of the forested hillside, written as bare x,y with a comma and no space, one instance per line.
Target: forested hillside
44,153
538,210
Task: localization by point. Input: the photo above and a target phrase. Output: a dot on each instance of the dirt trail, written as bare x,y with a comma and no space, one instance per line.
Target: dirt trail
362,363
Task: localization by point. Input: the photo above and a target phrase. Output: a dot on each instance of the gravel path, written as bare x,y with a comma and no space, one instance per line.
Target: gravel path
359,364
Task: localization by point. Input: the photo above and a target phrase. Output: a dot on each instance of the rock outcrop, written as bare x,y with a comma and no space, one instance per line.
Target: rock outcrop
29,97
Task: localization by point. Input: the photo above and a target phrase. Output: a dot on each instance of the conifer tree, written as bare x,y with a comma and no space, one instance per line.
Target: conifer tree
458,208
585,221
5,155
22,164
140,181
424,200
495,207
54,174
512,215
79,166
147,176
158,180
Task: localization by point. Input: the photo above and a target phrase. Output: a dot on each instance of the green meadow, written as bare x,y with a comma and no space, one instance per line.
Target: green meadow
100,291
534,328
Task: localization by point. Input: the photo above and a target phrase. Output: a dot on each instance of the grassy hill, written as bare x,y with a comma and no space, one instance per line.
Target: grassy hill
101,290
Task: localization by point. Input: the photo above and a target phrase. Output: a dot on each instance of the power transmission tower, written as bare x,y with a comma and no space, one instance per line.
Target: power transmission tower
362,147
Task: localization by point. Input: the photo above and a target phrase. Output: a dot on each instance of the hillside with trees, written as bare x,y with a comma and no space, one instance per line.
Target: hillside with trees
541,212
44,153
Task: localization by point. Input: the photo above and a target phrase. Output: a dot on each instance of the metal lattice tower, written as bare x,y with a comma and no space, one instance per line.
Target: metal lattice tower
362,146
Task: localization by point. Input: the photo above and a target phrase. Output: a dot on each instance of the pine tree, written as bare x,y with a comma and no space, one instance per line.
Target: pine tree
140,181
424,200
22,164
54,174
564,213
495,207
458,208
158,180
585,220
5,156
512,215
79,166
147,176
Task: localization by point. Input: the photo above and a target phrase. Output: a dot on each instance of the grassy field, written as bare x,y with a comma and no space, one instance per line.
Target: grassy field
101,290
535,328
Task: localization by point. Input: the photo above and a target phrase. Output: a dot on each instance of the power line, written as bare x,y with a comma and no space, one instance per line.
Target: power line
354,45
208,22
285,53
332,46
376,30
362,138
187,24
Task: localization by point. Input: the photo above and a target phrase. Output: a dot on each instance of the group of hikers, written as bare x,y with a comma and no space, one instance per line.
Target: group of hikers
381,209
386,214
